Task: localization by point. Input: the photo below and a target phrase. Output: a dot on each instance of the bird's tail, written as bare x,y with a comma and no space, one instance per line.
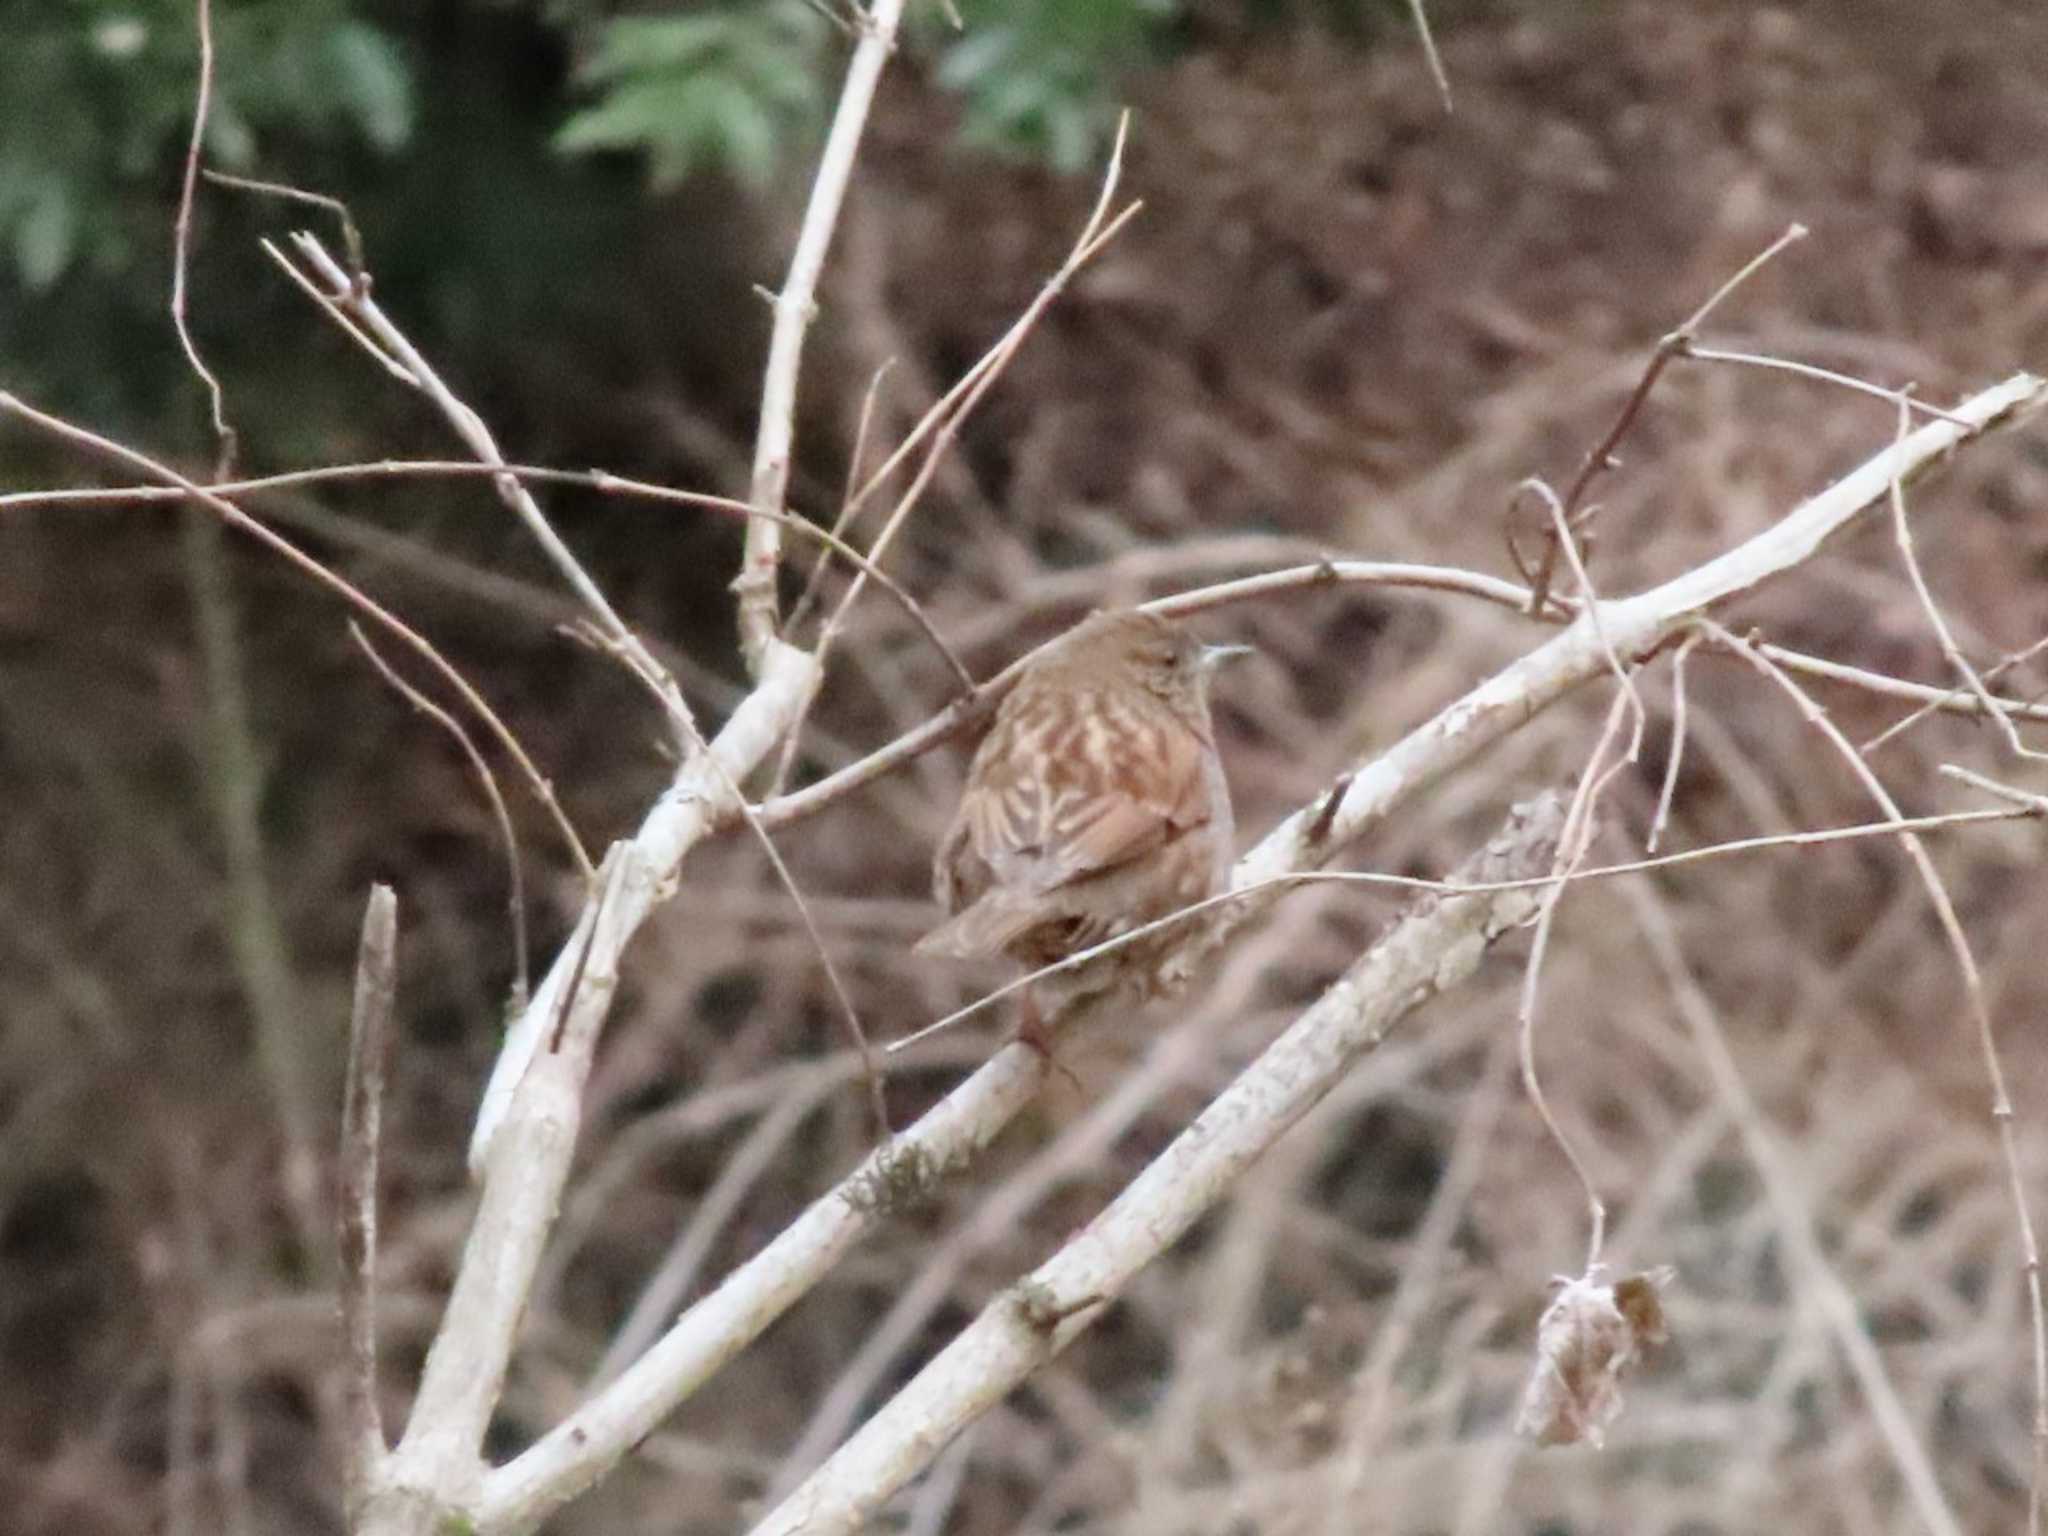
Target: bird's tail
988,927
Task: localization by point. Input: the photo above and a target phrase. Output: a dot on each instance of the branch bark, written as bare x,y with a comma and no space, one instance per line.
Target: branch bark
759,610
1436,946
579,1450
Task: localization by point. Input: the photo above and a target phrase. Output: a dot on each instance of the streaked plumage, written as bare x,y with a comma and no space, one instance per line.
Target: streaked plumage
1095,803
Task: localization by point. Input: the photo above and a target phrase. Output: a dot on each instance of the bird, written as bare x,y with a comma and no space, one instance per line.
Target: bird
1095,804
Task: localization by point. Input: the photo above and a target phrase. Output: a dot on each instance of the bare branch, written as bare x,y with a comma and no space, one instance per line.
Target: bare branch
515,899
351,237
354,596
349,296
582,1447
1987,1041
369,1055
1601,458
963,713
181,246
775,440
1785,1189
1429,952
602,481
1902,535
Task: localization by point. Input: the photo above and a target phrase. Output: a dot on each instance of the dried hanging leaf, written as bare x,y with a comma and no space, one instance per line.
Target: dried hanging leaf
1591,1336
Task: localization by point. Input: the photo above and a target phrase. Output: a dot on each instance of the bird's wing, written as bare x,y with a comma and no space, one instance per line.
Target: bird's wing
1104,800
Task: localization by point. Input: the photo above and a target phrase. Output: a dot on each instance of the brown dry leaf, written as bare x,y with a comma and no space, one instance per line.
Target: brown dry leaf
1591,1336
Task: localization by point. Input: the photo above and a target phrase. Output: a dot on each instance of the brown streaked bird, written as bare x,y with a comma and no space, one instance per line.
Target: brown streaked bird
1095,804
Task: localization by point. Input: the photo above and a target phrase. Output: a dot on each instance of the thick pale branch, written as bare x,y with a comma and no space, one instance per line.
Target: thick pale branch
582,1447
1432,949
1633,627
690,807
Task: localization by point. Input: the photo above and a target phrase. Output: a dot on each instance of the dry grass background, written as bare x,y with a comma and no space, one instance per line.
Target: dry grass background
1344,322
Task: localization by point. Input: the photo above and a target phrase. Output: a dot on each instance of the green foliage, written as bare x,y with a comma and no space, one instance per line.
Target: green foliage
1042,78
726,87
733,87
96,103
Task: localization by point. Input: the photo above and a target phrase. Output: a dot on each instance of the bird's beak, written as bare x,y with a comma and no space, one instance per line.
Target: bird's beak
1213,654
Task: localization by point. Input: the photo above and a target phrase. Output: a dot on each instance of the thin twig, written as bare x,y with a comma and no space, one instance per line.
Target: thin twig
1573,844
944,408
700,751
599,480
2002,1116
1095,234
354,596
181,247
2034,804
334,312
1822,375
515,899
856,462
2025,808
1955,701
1902,535
351,296
1602,458
351,237
1677,749
1436,63
1959,700
370,1037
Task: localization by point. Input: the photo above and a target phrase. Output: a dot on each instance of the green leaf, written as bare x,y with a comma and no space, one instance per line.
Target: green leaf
371,79
724,88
